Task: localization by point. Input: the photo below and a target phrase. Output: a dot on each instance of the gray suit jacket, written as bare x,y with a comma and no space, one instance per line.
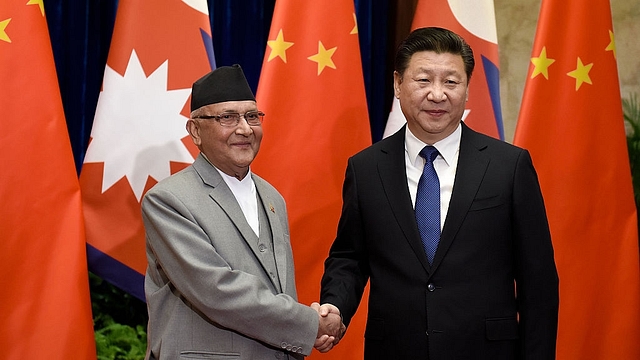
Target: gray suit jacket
209,294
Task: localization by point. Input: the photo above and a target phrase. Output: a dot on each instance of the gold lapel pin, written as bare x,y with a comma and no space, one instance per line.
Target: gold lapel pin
273,210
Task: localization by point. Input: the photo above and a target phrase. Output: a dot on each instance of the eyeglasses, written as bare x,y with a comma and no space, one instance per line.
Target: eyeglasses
253,118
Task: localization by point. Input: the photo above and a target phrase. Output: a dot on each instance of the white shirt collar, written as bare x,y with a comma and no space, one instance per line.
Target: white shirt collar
447,147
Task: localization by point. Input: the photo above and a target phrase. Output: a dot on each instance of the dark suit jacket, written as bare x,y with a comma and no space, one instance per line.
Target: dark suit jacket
495,244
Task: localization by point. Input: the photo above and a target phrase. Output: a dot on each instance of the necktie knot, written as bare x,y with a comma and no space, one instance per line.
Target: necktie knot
429,153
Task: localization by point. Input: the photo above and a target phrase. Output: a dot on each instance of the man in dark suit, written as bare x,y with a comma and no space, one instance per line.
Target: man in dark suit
480,282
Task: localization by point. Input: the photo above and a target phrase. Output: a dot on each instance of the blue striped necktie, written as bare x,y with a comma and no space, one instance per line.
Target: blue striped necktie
428,204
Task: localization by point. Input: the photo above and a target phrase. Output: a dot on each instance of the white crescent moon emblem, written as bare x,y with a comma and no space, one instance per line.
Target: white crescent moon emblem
477,16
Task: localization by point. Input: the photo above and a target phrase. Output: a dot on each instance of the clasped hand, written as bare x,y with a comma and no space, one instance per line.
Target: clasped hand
330,328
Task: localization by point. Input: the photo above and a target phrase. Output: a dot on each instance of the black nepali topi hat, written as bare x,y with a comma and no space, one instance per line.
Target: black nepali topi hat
226,83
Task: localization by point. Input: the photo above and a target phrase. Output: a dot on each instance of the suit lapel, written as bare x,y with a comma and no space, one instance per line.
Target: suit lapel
277,232
222,195
472,166
393,175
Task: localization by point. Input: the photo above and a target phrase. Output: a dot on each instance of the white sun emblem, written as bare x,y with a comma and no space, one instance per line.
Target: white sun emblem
138,126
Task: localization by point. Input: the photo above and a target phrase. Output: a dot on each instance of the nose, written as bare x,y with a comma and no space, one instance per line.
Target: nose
436,94
243,126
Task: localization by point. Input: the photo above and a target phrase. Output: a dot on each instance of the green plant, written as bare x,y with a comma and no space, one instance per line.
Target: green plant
120,342
631,111
119,322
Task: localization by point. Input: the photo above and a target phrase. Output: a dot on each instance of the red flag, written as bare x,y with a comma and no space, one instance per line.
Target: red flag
138,135
45,284
312,91
571,121
475,21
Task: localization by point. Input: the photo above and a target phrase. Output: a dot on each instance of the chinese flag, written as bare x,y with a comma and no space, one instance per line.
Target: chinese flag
475,21
46,310
138,135
571,121
312,91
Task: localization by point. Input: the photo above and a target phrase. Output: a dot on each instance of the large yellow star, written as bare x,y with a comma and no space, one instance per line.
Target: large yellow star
541,64
612,44
279,47
323,57
355,25
39,3
581,73
3,33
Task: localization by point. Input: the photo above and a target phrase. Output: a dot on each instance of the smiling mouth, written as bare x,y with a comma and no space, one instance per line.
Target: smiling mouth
435,112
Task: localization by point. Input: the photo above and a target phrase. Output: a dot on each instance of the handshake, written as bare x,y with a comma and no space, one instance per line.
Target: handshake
330,328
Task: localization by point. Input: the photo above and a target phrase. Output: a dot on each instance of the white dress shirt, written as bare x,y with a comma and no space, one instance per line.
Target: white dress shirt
245,192
445,164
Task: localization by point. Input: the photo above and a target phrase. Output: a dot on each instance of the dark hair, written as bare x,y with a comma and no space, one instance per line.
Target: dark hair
434,39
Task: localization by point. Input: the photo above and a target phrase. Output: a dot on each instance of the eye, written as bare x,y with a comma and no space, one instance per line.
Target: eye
251,116
227,116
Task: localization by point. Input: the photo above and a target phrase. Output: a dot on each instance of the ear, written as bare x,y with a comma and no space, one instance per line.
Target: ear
397,80
193,128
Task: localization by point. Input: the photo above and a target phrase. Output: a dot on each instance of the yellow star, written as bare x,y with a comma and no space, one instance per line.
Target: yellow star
612,44
581,73
279,47
39,3
355,25
3,34
541,64
323,57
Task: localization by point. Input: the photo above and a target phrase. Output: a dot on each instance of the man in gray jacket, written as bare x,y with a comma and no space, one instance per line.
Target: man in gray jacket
220,282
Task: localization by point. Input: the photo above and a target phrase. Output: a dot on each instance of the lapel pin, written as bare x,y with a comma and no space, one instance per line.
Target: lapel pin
273,210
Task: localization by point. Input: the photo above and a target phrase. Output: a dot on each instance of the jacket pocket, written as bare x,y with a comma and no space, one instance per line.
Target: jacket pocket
501,328
486,203
203,355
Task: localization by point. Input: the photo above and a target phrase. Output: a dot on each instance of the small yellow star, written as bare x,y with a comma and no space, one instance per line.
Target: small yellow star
39,3
612,44
581,73
355,25
541,64
279,47
3,33
323,57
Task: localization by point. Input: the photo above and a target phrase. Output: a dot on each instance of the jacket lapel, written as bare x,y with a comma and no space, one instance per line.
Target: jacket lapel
222,195
277,232
393,174
472,166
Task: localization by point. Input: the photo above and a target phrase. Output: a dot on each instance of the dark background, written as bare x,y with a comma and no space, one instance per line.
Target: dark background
81,31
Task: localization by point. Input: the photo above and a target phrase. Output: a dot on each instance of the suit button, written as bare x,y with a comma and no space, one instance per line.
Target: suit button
262,248
283,345
279,355
431,287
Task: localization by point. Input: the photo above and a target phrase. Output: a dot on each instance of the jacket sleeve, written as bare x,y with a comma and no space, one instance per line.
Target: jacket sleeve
346,268
536,275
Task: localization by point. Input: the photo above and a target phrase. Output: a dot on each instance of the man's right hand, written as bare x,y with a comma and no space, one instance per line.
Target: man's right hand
330,326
